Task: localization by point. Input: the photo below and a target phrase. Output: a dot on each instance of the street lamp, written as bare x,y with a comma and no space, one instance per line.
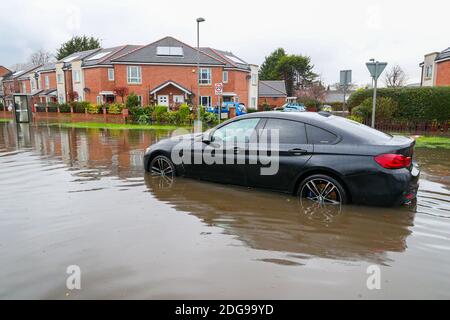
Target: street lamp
198,69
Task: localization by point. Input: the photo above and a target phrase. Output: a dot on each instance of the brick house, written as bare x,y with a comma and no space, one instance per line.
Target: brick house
272,93
4,72
436,69
162,72
18,83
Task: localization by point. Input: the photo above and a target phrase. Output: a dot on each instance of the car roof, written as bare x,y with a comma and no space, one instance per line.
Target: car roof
308,117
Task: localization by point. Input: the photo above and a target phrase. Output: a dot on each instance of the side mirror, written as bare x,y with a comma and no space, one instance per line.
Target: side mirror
206,138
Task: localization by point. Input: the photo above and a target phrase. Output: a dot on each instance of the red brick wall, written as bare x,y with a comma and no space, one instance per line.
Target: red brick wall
52,79
273,102
68,83
27,84
96,79
443,73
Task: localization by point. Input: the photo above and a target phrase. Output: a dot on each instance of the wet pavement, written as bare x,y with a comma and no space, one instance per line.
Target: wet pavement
81,197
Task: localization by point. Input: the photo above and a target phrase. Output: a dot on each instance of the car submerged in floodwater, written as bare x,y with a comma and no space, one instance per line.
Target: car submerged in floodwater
321,157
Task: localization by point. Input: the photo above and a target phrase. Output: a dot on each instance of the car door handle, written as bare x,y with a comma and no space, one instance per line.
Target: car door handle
297,152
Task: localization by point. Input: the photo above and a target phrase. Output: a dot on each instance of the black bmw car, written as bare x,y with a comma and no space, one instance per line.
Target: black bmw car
317,156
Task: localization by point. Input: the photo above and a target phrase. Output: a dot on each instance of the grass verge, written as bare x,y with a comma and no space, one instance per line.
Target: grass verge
114,126
6,119
433,142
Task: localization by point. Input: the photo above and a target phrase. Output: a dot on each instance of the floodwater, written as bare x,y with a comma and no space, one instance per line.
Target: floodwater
81,197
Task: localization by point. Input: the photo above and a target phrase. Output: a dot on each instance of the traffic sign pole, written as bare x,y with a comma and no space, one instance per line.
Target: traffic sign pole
375,69
218,88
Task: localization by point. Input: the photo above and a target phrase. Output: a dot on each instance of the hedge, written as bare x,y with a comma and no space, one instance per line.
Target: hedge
424,103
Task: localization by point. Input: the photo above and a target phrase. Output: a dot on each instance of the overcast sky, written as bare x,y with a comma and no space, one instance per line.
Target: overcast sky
335,34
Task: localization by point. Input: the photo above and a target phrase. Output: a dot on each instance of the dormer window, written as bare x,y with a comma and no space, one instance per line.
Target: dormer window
169,51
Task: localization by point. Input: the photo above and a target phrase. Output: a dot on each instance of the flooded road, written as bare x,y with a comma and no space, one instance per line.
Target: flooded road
81,197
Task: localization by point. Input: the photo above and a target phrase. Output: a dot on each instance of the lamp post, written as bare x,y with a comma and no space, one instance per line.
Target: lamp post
198,69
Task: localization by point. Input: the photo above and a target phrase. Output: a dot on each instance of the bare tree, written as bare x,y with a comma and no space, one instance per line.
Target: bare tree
40,57
395,77
340,88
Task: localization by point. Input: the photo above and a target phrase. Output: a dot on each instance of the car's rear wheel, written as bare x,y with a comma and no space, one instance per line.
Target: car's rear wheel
322,189
162,166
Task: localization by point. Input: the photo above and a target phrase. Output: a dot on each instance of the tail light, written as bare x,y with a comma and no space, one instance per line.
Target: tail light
393,161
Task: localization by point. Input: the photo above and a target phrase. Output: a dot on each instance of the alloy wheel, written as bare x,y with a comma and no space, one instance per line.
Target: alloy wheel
321,191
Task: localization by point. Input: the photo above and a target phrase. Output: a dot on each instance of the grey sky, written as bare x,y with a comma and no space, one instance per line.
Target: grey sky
336,34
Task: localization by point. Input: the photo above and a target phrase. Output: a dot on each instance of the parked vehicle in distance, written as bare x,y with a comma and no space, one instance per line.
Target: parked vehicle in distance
294,107
240,108
326,108
323,158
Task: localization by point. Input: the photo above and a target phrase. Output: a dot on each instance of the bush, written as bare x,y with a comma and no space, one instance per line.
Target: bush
132,101
159,114
335,106
115,108
425,103
210,118
141,114
2,108
64,108
52,107
41,107
95,108
79,106
386,109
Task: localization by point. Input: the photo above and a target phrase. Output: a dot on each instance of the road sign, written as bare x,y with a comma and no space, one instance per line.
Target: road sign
346,77
218,87
376,68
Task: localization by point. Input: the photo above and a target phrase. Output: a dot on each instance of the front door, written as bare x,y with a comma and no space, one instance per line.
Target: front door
21,109
163,100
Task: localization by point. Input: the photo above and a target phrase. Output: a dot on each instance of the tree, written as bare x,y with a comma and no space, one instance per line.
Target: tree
132,100
296,71
315,91
40,57
77,43
268,70
395,77
121,92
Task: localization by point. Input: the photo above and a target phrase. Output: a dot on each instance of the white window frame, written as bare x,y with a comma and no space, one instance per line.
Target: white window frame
47,82
428,71
253,102
76,76
99,100
60,78
32,84
254,79
206,81
110,74
209,101
134,79
24,87
225,76
140,100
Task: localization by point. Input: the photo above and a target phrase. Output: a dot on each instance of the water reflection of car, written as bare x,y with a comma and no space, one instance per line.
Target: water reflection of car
293,107
321,157
266,221
239,107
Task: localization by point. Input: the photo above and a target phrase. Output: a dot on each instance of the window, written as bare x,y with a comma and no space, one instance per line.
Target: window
134,74
225,76
319,136
99,100
110,74
76,76
139,98
253,102
60,78
204,76
205,101
47,83
32,84
24,87
254,79
428,71
169,51
240,131
289,132
99,55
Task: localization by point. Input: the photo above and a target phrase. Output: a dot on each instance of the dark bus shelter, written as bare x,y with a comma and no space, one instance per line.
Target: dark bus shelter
22,108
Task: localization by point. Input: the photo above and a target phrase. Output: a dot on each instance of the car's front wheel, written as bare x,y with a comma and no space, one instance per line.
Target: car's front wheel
162,166
322,189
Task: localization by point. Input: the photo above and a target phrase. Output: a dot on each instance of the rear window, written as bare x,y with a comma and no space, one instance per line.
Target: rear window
360,129
290,132
319,136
